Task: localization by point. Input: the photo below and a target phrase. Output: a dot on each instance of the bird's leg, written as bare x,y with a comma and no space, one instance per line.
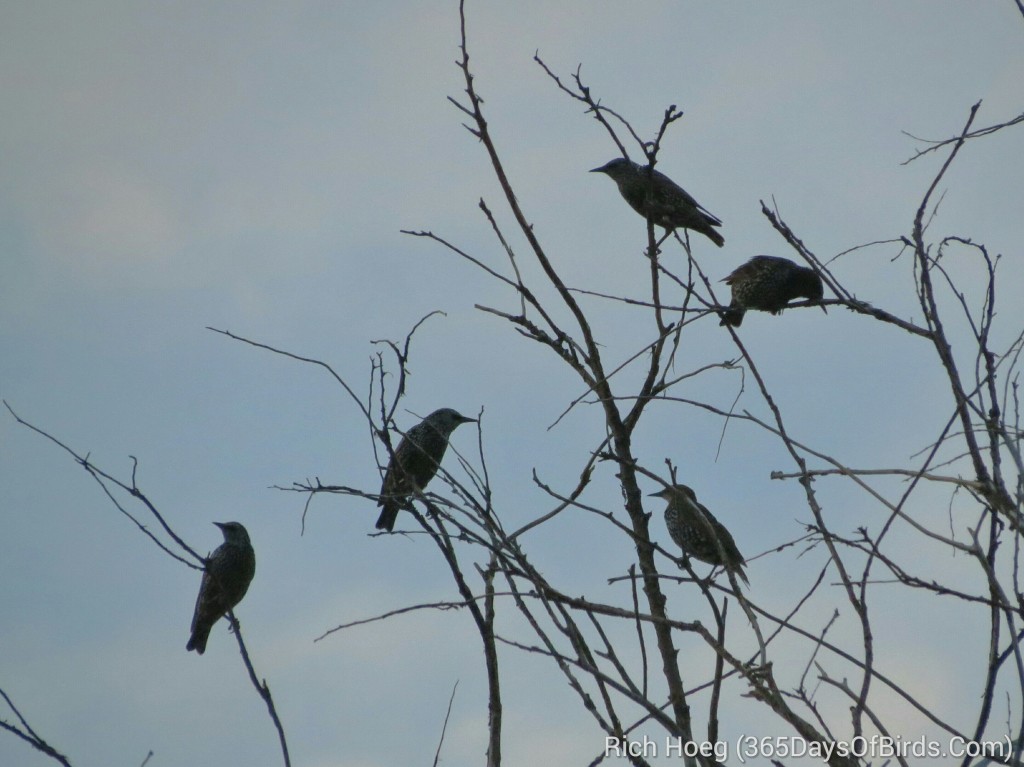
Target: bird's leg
658,244
683,563
704,583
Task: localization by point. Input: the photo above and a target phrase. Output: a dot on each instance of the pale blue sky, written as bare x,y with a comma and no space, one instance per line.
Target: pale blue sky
168,167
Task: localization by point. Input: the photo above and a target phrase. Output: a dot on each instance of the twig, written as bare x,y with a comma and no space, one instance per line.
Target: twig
261,687
30,736
444,727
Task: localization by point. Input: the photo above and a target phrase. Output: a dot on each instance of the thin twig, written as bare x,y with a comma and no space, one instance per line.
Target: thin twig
444,727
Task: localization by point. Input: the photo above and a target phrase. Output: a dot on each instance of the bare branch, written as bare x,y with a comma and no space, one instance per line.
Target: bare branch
444,727
936,145
262,688
30,736
132,489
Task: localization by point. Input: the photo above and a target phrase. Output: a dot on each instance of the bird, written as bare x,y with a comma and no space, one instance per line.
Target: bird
654,195
226,578
695,530
415,461
768,283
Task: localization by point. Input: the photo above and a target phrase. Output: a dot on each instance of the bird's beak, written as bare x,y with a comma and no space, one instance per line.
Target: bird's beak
221,525
597,170
466,419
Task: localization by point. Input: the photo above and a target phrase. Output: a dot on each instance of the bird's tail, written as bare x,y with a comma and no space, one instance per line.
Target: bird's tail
712,234
198,640
388,515
741,575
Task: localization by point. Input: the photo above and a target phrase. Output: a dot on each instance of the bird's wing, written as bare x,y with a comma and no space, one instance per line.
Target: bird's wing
207,600
689,198
396,481
726,539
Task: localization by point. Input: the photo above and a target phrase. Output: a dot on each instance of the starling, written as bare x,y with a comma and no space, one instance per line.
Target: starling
415,461
691,526
654,195
769,283
226,578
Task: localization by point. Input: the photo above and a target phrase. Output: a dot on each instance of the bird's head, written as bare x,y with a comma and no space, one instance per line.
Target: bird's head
618,169
234,532
673,491
447,420
811,286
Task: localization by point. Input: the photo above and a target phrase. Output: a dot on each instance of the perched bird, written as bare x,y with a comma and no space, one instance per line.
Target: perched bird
694,529
654,195
228,572
768,283
416,461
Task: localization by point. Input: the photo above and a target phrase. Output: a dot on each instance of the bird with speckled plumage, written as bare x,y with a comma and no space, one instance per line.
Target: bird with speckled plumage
768,284
415,462
226,578
696,531
654,195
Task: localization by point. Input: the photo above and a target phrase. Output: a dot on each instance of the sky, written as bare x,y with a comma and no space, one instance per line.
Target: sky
249,167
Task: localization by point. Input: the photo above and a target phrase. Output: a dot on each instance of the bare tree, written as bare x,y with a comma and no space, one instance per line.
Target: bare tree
798,673
976,454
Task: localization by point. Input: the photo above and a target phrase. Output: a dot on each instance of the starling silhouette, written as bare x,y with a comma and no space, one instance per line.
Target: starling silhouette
416,461
694,529
768,283
654,195
226,578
